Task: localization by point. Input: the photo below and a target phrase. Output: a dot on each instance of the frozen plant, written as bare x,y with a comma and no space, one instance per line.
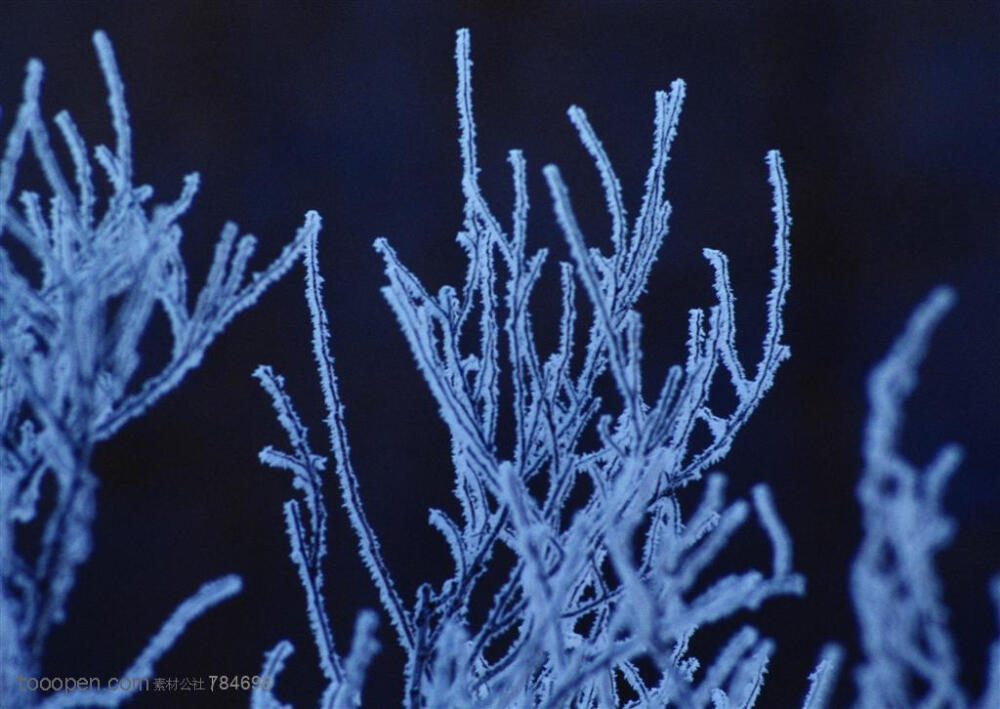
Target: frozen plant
307,537
78,291
910,658
584,616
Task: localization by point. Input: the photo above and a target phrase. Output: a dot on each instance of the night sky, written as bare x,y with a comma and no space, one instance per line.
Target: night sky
886,115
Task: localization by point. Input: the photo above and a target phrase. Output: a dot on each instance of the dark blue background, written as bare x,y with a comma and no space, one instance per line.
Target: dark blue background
887,120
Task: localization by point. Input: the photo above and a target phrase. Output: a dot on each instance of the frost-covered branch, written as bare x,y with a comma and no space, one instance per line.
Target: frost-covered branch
79,291
576,612
910,658
909,655
307,539
210,594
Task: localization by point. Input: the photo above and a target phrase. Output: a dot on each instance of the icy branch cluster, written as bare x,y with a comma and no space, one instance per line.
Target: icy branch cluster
599,579
78,291
580,618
